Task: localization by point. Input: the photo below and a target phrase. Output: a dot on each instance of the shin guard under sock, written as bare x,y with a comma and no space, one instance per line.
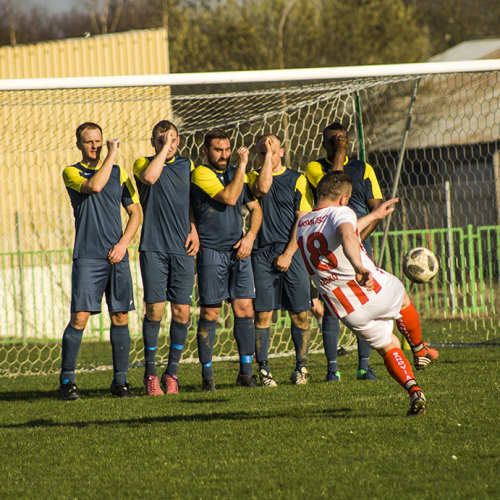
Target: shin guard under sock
71,341
178,335
301,338
409,326
244,334
120,347
331,330
400,370
262,340
150,332
205,338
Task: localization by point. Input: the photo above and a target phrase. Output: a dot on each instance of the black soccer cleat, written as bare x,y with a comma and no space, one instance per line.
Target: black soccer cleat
69,391
208,385
122,391
247,381
367,374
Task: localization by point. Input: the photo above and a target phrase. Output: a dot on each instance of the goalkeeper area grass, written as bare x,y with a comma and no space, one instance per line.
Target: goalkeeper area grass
340,440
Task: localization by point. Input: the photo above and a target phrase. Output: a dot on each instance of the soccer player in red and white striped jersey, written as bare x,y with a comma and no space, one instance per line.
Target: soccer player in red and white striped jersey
365,298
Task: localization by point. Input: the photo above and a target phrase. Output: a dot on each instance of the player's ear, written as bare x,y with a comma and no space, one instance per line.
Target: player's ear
153,141
204,150
78,145
282,152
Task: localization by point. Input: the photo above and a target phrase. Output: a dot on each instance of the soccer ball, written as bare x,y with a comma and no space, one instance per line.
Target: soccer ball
420,265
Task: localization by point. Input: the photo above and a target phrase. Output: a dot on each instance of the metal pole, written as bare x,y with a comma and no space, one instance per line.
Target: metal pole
451,255
362,151
399,167
496,173
21,275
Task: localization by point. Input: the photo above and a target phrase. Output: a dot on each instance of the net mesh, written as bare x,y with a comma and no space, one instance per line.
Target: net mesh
449,189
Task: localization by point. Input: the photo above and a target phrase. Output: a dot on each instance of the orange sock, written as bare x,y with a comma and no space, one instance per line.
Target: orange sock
400,370
409,326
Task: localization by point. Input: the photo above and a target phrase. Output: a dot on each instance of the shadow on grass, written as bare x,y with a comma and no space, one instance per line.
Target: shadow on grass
211,417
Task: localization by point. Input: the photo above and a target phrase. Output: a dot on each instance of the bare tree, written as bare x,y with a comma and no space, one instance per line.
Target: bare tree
99,13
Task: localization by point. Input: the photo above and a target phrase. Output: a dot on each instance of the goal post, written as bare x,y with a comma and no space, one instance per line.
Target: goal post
448,185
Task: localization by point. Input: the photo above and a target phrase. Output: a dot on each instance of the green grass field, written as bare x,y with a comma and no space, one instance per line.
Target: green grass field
348,440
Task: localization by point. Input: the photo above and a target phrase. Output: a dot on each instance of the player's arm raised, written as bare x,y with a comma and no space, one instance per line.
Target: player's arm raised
350,245
245,245
341,143
381,212
154,169
230,194
264,180
372,205
117,253
97,182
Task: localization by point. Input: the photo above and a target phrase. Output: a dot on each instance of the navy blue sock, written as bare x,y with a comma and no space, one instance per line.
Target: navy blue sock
205,338
120,347
178,335
150,332
363,356
244,334
71,341
331,331
301,340
262,339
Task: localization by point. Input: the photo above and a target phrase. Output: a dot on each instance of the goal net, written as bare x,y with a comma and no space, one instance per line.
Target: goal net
449,187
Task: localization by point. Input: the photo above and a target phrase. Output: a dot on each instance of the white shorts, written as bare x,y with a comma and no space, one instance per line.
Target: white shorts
373,323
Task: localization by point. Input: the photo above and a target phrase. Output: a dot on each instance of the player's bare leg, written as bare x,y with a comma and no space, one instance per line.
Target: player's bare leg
262,341
150,332
318,312
409,326
400,370
301,336
244,334
178,335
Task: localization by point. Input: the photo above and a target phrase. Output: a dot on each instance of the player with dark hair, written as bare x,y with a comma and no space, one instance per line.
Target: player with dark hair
281,280
365,194
218,192
365,298
100,259
169,241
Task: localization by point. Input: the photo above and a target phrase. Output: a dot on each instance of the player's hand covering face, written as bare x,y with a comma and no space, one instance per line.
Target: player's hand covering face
335,140
168,140
269,148
219,153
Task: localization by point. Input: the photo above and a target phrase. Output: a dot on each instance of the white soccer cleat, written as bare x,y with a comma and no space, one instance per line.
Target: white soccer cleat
300,377
266,379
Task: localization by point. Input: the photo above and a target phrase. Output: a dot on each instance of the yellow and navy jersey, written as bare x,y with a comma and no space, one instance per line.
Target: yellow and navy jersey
364,181
165,205
98,222
219,225
289,193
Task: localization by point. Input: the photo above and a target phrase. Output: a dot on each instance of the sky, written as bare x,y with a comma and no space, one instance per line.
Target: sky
53,6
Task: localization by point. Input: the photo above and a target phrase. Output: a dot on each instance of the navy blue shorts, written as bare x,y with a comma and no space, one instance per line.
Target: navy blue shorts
289,290
91,278
221,276
167,277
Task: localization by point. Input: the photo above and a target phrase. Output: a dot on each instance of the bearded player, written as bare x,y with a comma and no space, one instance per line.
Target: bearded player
366,299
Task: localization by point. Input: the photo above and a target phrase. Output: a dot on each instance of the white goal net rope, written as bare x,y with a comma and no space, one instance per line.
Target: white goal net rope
449,190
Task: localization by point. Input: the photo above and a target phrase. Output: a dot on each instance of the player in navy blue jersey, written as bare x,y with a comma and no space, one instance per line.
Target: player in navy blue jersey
281,279
97,189
169,241
366,196
218,193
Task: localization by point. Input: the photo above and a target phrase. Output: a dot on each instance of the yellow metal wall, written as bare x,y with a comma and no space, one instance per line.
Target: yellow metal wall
142,52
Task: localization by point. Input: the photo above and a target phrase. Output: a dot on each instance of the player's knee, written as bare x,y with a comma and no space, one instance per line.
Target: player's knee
180,313
210,313
243,308
263,319
79,319
155,312
119,318
299,320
